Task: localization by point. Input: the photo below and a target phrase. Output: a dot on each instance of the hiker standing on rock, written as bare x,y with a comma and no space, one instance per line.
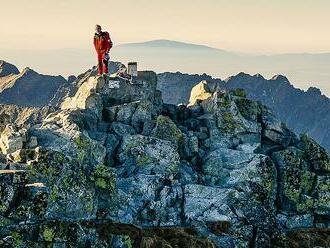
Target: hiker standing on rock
102,44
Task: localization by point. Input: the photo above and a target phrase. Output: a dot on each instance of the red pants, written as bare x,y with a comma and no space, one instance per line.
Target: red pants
101,67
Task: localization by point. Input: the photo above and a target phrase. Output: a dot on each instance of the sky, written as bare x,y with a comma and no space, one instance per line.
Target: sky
252,26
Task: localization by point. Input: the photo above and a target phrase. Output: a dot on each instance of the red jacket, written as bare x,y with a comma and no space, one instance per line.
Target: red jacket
102,42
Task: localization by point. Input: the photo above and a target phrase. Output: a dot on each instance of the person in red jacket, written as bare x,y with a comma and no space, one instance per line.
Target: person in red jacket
102,44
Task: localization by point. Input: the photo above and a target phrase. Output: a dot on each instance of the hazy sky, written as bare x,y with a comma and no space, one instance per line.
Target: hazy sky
262,26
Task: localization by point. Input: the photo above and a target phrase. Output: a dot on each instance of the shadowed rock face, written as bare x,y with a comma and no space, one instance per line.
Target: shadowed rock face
116,167
309,238
304,112
176,87
7,69
29,88
22,116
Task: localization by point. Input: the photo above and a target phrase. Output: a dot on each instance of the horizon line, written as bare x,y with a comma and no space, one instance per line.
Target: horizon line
183,43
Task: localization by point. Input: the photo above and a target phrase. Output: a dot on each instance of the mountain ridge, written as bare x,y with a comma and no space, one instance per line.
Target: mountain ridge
304,69
290,104
170,43
181,44
23,88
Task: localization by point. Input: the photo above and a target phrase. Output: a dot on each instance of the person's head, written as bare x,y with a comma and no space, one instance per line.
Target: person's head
98,28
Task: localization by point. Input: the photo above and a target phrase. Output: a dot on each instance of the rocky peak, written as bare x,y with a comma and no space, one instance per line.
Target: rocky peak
314,91
29,88
244,78
97,93
280,78
28,72
71,79
259,76
7,69
201,91
116,167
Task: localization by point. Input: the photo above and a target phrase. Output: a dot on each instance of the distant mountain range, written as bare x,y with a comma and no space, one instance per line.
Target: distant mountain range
304,69
160,44
304,111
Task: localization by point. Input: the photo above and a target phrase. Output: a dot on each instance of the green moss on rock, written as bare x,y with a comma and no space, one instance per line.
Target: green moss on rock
167,130
227,122
104,178
17,237
317,155
48,234
239,92
127,241
296,180
248,109
143,159
48,167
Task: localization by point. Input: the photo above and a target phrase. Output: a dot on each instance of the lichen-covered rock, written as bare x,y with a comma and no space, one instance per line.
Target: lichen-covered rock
10,181
249,109
121,129
117,168
147,155
21,156
316,154
225,167
149,200
296,221
32,142
166,129
111,145
124,112
322,197
305,238
295,180
227,116
100,234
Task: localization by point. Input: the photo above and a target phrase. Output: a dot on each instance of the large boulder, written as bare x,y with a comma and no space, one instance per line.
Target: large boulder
167,130
146,184
97,92
147,155
12,139
200,92
86,96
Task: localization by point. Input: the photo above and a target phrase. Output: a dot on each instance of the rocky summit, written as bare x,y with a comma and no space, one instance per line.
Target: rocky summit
117,167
